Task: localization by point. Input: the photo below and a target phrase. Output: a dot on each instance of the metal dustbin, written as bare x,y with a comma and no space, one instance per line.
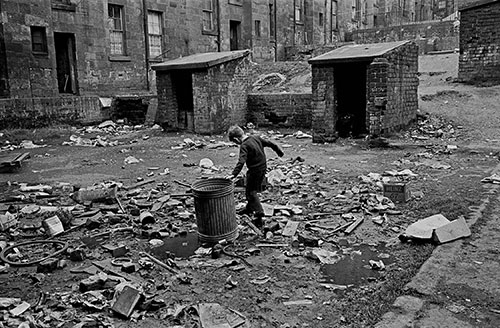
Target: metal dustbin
215,210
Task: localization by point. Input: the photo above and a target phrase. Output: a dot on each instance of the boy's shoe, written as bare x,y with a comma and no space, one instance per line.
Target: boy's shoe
258,221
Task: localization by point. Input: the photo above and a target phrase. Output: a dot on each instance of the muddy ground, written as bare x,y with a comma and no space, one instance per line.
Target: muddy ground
449,150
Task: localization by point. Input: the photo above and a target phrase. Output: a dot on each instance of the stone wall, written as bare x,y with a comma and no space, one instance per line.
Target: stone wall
479,60
50,111
324,114
280,110
430,36
219,96
401,106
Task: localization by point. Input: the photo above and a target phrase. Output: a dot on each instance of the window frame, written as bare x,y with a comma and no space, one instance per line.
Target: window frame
153,57
334,22
299,11
212,14
43,38
114,30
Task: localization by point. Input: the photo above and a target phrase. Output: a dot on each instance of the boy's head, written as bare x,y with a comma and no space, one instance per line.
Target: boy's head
235,134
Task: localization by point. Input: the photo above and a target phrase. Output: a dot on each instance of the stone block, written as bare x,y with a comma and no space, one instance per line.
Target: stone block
454,230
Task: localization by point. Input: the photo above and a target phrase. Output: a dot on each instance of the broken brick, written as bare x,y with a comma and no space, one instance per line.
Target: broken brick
48,265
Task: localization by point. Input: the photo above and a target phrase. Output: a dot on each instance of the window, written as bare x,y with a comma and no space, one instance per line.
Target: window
257,28
334,21
155,34
299,11
442,4
353,9
38,40
208,16
116,30
320,19
272,22
365,12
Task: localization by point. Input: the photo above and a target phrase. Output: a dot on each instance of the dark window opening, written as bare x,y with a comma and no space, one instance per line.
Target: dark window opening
38,40
234,35
320,19
272,21
350,95
257,28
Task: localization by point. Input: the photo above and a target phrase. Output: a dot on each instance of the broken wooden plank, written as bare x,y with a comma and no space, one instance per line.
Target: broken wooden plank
353,226
271,245
139,184
290,228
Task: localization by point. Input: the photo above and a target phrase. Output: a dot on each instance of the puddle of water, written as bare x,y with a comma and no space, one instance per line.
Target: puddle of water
181,246
354,268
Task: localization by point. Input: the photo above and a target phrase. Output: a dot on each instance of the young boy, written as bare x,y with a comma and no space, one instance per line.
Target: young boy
252,154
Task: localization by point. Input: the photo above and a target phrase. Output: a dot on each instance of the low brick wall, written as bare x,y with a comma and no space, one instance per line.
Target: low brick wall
42,112
280,109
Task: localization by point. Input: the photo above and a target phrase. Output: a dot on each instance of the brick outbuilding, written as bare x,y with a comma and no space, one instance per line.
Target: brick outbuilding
203,93
479,60
364,89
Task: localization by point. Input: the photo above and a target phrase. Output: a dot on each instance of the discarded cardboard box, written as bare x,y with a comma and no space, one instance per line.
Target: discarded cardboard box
126,301
452,231
397,191
7,221
53,226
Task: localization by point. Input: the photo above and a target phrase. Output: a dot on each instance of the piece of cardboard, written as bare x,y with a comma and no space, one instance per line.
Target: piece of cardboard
126,301
290,228
424,228
452,231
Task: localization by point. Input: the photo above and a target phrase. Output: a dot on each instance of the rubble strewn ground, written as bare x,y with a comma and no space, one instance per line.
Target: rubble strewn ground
331,253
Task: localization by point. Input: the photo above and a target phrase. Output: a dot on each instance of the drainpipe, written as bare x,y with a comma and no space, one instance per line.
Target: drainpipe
146,40
294,23
218,26
325,30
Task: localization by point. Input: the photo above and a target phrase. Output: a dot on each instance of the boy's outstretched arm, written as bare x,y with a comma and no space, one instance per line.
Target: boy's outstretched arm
273,146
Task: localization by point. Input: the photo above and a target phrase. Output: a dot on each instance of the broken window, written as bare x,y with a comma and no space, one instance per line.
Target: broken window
209,15
116,30
155,34
38,40
257,28
334,21
365,12
353,9
320,19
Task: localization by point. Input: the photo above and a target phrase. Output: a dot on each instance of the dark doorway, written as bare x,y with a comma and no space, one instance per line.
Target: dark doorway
350,94
234,34
66,62
182,84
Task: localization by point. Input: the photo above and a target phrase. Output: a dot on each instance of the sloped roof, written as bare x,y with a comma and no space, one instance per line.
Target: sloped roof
477,4
356,52
200,61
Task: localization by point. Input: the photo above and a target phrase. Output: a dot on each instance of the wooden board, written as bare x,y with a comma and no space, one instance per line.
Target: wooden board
13,160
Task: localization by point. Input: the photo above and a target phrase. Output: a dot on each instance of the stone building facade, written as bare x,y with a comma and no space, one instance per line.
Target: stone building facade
479,60
366,89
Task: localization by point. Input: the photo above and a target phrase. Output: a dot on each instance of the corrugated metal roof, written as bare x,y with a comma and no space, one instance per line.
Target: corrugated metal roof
354,52
200,61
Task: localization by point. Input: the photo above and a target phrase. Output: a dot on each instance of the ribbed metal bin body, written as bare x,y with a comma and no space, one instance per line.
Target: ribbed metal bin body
215,210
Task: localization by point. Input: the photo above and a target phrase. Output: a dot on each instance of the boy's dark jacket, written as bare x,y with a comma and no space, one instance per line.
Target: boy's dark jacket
252,154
